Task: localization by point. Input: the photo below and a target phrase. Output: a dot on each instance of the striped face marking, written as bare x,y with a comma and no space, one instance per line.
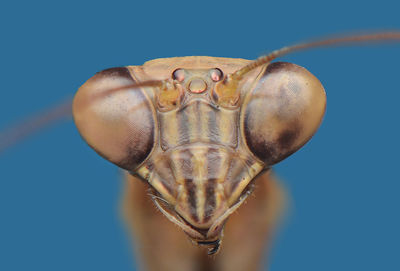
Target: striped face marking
200,171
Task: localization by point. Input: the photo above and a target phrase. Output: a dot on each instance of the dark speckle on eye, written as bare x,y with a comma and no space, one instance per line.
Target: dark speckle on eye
276,66
118,71
275,150
288,137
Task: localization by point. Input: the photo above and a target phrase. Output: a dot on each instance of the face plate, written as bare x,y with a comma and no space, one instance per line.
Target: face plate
200,169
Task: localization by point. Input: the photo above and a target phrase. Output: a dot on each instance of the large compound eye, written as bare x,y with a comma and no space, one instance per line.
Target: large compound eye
119,125
179,75
216,74
282,112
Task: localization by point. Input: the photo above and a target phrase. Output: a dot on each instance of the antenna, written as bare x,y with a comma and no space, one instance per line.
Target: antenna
345,40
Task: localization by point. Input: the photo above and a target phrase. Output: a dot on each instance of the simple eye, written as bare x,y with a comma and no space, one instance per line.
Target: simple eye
216,74
179,75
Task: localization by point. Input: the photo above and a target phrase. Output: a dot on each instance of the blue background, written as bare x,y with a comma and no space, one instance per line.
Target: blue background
59,200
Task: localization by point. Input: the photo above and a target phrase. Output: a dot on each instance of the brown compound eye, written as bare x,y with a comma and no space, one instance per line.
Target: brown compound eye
179,75
282,111
119,125
216,74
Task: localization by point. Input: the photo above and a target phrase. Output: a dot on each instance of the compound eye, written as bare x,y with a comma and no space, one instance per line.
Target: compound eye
282,112
179,75
119,125
216,74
